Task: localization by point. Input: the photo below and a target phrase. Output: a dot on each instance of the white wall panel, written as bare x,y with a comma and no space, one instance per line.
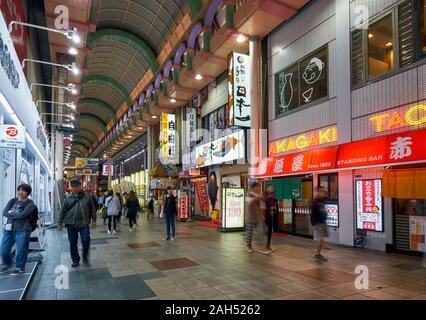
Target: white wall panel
217,97
318,116
387,93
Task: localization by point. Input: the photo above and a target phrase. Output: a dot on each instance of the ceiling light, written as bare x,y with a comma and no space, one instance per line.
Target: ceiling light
198,77
141,128
73,68
172,100
370,35
154,117
72,117
73,35
389,44
241,38
73,51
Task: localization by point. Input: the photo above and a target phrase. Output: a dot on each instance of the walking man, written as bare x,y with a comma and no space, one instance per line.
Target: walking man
318,218
17,230
170,211
270,208
77,213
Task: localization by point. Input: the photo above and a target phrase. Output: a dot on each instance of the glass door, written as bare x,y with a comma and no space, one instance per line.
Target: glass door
302,210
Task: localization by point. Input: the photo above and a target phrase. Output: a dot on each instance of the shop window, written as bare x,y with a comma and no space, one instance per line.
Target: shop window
399,32
381,47
330,183
303,83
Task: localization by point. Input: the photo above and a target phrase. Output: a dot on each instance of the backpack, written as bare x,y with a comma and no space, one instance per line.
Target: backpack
34,219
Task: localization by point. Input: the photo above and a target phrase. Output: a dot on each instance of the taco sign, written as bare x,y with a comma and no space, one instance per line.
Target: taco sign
12,136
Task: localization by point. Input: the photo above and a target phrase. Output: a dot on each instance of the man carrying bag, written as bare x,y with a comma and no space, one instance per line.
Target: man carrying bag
77,213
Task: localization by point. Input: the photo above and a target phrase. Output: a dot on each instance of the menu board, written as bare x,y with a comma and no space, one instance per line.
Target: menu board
418,233
233,208
332,219
369,205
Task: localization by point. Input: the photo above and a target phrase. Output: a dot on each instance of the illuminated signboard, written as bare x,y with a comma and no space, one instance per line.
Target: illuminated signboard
412,116
303,141
107,170
12,136
87,166
369,205
332,219
226,149
239,90
233,208
168,136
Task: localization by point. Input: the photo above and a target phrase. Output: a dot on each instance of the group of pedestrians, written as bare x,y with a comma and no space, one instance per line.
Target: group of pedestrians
260,218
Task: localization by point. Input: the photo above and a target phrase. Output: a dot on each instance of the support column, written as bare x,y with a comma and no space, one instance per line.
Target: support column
109,174
149,157
256,109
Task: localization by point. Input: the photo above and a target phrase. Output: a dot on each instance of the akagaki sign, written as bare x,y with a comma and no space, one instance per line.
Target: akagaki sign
406,147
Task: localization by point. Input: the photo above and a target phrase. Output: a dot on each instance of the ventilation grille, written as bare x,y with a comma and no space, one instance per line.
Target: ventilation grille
357,57
406,34
402,235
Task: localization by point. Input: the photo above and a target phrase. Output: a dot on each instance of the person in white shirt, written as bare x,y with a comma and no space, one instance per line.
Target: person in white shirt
113,207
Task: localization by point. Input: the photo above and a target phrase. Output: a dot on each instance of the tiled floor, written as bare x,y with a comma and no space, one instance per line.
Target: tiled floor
205,264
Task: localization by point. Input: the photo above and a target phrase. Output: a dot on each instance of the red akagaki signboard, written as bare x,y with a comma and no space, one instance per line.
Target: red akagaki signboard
393,149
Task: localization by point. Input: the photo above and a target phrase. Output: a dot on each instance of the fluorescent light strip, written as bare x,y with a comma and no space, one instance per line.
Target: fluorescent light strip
18,121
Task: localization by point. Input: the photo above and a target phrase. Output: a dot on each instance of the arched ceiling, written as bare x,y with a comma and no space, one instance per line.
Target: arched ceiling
149,20
128,38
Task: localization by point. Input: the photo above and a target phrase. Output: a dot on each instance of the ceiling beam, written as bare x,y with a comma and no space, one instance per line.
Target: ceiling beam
97,120
104,80
101,104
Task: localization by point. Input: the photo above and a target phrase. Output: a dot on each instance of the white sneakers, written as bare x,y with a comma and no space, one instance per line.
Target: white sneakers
173,238
130,229
114,233
109,232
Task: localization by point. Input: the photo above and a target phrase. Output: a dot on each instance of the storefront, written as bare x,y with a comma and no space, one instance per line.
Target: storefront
388,176
24,151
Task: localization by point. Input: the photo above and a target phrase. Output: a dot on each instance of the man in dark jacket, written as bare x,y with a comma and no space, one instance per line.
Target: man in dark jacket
170,211
17,230
318,217
77,213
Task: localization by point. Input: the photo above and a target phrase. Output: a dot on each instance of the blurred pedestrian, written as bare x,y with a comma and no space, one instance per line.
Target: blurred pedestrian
132,207
150,209
256,213
318,218
270,208
113,207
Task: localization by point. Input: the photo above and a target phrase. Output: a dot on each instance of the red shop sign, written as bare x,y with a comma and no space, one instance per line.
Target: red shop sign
309,161
406,147
397,148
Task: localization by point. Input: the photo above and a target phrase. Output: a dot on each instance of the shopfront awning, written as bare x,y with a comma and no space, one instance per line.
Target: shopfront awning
404,183
396,149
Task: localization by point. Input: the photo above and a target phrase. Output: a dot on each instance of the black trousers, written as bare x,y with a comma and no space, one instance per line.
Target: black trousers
269,224
112,219
132,219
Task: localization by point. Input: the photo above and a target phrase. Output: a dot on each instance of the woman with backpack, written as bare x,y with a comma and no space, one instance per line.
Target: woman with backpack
113,208
21,217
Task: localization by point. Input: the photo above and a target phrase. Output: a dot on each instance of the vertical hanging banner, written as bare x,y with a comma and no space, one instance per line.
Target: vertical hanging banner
168,136
239,90
369,205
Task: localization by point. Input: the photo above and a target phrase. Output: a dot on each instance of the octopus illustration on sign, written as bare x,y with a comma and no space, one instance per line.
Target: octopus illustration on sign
311,75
